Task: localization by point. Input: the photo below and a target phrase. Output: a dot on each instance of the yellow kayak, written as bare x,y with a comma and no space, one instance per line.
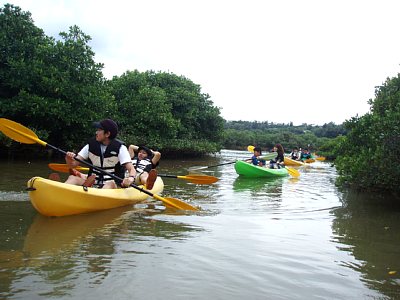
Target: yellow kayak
291,162
53,198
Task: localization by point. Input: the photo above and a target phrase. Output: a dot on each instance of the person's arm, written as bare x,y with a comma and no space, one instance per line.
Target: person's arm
125,160
132,174
156,157
132,149
82,155
281,159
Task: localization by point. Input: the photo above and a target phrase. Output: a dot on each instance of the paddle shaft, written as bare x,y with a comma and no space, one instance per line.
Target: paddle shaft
228,163
194,178
168,176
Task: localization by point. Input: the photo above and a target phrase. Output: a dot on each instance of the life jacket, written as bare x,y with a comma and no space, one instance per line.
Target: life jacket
108,161
142,165
256,161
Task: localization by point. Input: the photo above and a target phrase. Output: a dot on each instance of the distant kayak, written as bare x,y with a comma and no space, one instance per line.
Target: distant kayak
292,162
250,170
309,160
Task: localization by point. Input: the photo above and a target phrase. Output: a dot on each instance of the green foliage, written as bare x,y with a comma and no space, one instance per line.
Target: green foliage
329,147
54,86
57,89
369,156
239,134
166,112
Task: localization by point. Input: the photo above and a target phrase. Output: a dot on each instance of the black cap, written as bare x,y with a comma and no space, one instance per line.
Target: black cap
107,125
148,151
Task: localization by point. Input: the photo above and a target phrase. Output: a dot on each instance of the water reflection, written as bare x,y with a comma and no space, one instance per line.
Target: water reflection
56,252
256,185
368,225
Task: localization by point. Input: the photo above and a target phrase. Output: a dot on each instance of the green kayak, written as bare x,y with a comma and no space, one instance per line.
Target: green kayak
250,170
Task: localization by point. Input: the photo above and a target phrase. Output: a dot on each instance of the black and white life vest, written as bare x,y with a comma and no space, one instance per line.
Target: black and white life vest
142,165
108,161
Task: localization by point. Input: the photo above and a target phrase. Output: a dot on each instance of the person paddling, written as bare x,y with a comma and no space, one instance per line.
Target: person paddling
305,154
106,152
278,161
256,159
295,154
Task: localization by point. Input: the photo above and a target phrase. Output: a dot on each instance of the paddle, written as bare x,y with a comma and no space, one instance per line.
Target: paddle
309,160
64,168
267,156
291,171
22,134
194,178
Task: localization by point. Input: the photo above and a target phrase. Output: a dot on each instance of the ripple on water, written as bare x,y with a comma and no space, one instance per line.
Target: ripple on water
14,196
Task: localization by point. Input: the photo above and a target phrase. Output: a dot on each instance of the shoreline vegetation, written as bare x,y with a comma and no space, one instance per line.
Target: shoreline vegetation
56,88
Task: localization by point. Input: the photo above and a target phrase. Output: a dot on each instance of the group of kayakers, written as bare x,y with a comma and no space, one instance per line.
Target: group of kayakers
135,165
278,161
275,163
300,154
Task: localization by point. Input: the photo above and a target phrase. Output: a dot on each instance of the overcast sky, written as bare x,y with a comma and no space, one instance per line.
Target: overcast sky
310,61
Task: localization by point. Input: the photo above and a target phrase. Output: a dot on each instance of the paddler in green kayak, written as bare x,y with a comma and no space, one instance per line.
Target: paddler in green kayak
256,159
278,161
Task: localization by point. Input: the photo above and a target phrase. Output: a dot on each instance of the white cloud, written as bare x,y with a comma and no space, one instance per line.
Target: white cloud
279,61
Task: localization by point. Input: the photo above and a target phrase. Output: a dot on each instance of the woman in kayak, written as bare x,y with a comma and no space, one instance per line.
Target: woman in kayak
278,161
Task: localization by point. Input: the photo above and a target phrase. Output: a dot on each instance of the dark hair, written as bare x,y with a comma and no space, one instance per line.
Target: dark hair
148,151
280,149
108,125
258,149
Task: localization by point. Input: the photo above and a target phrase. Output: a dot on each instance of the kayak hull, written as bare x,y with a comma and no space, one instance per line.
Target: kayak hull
246,169
291,162
53,198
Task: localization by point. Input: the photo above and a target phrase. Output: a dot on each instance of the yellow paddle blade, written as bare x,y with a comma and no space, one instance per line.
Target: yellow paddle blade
293,172
320,158
64,168
309,160
199,179
175,203
19,133
250,148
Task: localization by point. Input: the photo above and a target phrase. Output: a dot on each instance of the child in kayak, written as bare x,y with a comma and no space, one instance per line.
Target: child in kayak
145,162
295,154
305,154
256,159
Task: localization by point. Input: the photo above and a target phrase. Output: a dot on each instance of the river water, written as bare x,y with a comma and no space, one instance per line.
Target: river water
284,238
